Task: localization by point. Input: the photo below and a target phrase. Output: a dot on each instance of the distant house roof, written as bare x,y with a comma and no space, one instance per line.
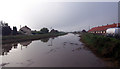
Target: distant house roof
103,28
26,27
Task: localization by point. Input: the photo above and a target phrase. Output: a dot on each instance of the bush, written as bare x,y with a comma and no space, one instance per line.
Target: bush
44,30
14,31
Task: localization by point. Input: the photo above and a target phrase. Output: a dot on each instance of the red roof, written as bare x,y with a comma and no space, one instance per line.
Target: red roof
103,28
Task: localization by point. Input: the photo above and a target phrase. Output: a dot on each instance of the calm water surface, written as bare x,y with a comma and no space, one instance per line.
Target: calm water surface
62,51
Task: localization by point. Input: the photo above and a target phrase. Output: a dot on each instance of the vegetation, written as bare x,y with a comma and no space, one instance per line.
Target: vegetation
14,31
36,32
44,30
104,46
19,38
84,31
54,31
6,30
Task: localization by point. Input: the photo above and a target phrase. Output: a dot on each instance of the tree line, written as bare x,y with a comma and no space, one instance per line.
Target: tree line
6,30
44,31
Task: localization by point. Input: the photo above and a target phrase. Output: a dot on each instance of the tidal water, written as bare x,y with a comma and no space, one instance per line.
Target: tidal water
62,51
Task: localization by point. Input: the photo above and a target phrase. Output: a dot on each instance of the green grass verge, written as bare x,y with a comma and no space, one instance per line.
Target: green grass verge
19,38
104,46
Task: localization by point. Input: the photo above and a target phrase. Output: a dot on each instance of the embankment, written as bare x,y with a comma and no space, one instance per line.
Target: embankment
106,47
19,38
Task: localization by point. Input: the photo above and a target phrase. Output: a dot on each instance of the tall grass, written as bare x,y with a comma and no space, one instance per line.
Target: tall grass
105,46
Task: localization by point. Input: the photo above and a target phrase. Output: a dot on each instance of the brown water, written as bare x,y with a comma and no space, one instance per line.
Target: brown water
62,51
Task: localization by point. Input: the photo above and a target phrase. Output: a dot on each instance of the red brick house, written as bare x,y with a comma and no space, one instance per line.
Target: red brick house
102,29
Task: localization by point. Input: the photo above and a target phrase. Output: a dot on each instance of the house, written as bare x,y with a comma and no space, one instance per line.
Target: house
102,29
25,30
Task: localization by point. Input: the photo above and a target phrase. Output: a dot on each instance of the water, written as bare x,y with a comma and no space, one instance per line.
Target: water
62,51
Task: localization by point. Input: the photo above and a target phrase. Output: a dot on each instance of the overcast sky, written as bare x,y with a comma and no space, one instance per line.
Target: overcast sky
63,15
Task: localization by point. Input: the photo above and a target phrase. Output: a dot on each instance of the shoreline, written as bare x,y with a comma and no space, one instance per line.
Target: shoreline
21,38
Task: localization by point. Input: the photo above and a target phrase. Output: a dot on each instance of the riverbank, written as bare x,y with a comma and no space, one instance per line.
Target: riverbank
105,47
19,38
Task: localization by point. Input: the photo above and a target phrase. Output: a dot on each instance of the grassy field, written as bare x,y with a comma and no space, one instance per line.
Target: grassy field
19,38
106,47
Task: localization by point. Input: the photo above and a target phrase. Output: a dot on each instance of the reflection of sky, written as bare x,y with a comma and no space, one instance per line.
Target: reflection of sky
63,53
66,16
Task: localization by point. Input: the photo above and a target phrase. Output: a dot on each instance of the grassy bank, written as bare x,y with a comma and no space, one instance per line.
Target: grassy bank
19,38
106,47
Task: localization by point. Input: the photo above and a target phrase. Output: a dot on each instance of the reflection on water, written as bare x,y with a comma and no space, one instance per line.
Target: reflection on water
7,47
26,43
63,51
45,40
51,41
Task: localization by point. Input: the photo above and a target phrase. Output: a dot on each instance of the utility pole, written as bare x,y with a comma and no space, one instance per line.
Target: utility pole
20,26
51,28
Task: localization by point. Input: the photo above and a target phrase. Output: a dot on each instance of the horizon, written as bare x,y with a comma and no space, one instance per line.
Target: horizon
63,16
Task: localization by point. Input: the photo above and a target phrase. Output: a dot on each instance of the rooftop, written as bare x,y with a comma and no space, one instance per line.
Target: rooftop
103,28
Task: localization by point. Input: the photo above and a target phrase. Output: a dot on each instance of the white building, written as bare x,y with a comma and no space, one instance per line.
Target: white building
25,30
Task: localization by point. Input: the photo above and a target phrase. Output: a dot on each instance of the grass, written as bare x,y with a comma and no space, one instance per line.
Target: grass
106,47
19,38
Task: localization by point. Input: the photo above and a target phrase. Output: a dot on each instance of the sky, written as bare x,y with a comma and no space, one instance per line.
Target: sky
63,15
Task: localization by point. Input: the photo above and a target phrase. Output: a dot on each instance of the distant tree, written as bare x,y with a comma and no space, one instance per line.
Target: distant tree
54,31
14,31
84,31
75,32
44,30
45,40
6,30
36,32
6,24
